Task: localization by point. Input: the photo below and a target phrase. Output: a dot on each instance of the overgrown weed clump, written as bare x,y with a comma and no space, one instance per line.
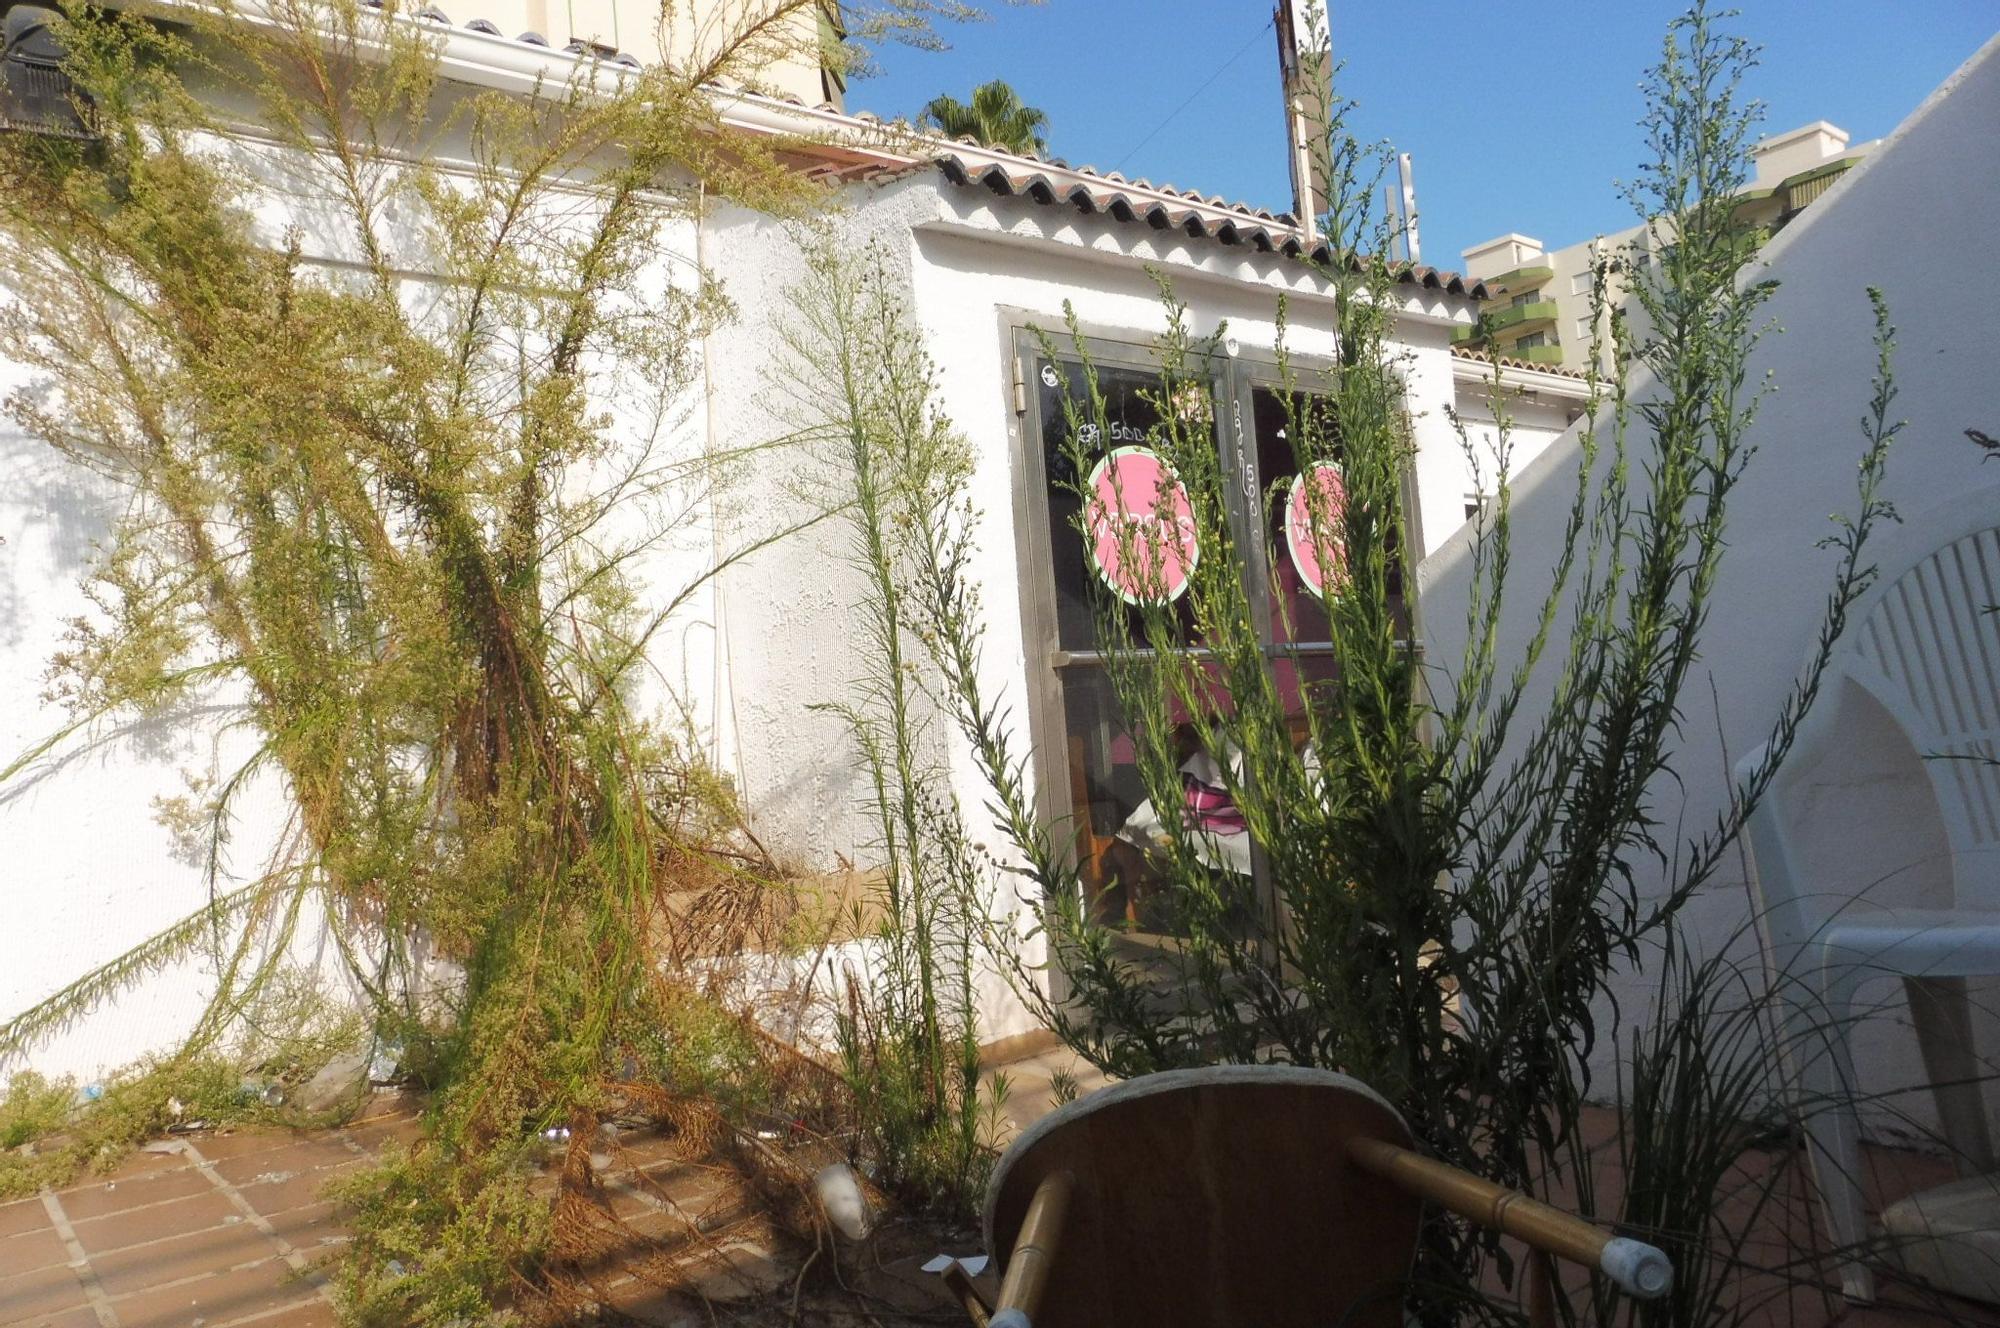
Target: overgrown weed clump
400,495
55,1131
894,470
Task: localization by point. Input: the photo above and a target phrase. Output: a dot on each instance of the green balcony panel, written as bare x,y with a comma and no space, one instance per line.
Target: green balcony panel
1744,198
1538,354
1806,186
1523,316
1520,279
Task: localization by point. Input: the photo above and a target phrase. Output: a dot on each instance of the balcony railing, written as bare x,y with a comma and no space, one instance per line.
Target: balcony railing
1535,354
1521,316
1520,279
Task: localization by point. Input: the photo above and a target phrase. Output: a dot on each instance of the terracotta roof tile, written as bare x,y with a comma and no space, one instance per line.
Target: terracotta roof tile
1039,180
1512,362
1237,223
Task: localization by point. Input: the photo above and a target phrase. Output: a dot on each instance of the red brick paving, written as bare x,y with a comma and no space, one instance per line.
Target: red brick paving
207,1231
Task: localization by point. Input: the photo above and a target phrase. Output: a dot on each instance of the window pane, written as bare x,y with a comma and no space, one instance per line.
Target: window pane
1298,604
1297,613
1120,832
1130,417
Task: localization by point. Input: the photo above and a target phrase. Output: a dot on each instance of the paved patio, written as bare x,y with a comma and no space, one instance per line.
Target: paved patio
201,1231
215,1231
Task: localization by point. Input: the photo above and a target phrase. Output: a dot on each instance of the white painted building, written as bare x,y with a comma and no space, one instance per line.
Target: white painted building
987,246
1917,219
1537,402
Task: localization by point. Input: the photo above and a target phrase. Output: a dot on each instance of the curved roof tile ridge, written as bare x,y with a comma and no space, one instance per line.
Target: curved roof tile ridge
1515,362
1049,181
1164,207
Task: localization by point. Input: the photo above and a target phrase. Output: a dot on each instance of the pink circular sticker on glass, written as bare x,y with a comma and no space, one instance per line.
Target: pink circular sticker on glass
1140,527
1322,502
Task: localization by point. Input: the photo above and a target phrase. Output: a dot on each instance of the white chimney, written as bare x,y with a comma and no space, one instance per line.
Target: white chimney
1413,249
1501,254
1782,156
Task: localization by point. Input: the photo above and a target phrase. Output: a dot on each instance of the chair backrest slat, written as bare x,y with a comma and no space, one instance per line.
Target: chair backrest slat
1932,586
1965,576
1931,641
1924,642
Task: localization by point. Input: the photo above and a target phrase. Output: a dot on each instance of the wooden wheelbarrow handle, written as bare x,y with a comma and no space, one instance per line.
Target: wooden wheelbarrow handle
1638,1269
1034,1252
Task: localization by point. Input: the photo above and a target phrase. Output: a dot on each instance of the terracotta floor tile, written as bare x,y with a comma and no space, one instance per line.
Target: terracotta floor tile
661,1230
373,1134
288,1190
402,1122
42,1293
81,1317
200,1266
1903,1300
714,1202
297,1156
309,1227
1782,1302
240,1143
1889,1174
386,1102
137,1226
139,1266
22,1215
1895,1316
31,1250
80,1205
141,1162
314,1313
642,1302
651,1148
687,1178
214,1299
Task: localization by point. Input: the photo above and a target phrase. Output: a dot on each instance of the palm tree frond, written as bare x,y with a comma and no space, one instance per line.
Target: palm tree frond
995,117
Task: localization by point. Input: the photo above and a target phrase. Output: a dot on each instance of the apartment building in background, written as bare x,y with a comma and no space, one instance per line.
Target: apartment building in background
1538,309
795,62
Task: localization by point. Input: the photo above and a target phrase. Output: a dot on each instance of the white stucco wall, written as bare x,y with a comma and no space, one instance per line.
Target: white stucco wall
1535,420
86,870
1917,220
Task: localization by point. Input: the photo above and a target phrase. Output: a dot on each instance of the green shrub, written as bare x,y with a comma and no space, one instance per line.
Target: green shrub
34,1107
908,1023
1452,847
441,1238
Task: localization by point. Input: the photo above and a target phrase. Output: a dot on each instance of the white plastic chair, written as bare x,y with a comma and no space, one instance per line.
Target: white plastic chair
1923,645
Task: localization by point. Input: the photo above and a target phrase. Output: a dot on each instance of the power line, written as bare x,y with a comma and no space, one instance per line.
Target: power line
1154,132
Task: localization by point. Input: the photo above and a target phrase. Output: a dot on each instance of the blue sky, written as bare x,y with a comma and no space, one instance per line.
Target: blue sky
1519,116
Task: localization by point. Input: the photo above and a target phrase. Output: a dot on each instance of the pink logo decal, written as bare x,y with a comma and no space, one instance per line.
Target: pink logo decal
1140,527
1322,503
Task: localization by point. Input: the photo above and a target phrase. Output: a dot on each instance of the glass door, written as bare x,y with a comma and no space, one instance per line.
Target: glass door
1116,824
1089,754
